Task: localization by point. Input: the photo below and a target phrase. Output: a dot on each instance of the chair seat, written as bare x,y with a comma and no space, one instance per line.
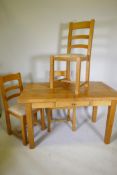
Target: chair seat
70,57
18,109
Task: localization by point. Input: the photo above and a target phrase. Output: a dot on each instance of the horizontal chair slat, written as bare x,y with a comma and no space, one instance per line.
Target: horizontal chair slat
12,96
11,77
80,37
12,88
72,57
79,46
80,25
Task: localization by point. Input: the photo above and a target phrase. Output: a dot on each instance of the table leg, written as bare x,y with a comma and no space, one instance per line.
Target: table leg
35,120
49,115
30,125
94,113
68,115
74,118
43,125
8,123
110,120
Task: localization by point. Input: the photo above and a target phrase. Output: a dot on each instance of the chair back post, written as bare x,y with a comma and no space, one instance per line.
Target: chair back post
69,39
92,23
69,51
20,82
6,106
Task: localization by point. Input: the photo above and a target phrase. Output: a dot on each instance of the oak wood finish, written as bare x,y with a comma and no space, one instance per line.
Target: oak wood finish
68,115
6,90
43,125
30,124
74,118
49,119
78,58
38,95
110,120
94,114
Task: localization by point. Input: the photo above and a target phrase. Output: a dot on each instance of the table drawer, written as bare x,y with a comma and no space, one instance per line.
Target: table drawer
43,105
71,104
63,104
100,103
82,103
93,103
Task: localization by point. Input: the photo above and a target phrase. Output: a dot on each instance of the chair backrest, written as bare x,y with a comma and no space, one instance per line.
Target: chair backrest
72,36
9,88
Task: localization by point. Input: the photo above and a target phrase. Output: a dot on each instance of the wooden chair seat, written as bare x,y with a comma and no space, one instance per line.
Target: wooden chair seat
71,57
18,109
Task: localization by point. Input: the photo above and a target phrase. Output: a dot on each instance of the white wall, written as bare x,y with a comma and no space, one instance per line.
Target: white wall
30,32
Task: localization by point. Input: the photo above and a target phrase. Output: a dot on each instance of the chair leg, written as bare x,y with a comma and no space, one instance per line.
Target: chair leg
23,129
78,71
51,72
8,123
94,113
47,112
74,118
68,115
49,119
43,125
35,120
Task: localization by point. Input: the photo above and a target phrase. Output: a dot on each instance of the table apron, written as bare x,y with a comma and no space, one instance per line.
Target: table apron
70,104
43,105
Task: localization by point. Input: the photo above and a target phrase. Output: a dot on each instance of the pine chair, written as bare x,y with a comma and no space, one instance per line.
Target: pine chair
78,58
11,87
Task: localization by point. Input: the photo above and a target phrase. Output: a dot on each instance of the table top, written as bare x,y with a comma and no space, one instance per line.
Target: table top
40,92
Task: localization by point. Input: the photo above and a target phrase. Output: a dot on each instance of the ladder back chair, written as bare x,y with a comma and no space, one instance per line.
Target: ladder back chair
78,58
11,87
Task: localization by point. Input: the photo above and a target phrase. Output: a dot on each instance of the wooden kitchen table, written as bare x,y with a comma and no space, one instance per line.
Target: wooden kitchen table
39,95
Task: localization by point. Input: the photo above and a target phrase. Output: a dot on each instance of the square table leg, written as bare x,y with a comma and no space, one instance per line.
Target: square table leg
74,118
110,120
49,113
94,114
30,125
43,125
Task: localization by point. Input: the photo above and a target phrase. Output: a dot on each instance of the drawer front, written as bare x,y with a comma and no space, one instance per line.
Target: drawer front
93,103
44,105
64,104
69,104
101,103
82,103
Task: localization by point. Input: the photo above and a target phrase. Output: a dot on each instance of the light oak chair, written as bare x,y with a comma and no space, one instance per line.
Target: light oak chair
11,87
73,38
78,58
